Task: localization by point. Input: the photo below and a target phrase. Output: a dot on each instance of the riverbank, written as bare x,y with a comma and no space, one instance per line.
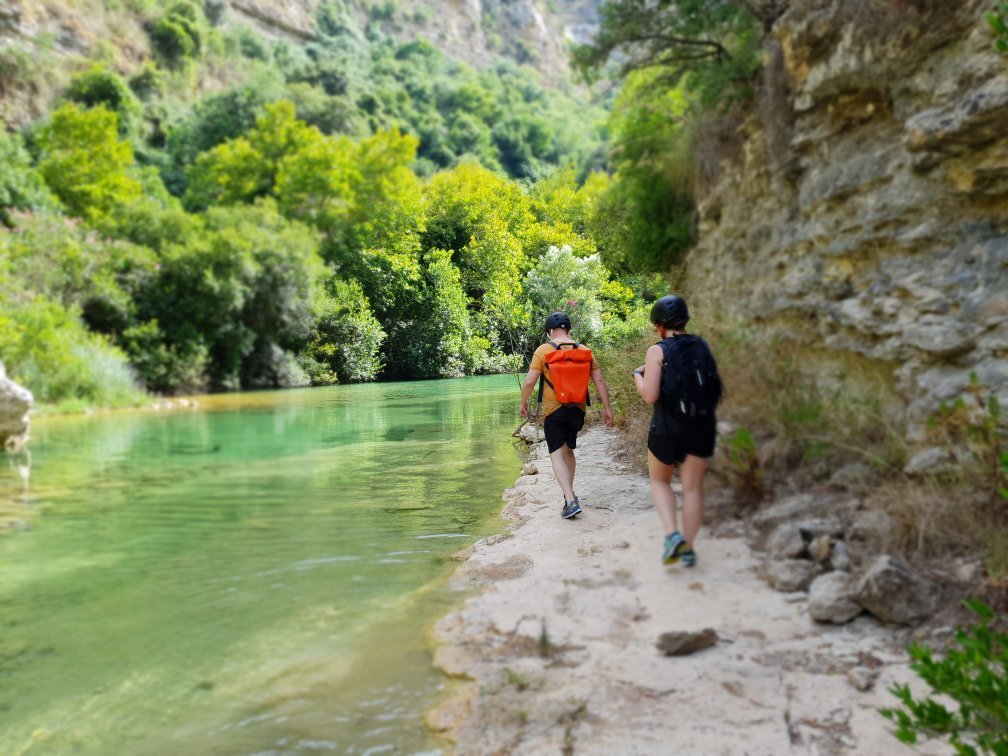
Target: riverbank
557,652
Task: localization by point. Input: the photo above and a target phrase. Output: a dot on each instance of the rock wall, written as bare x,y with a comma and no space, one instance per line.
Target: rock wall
864,209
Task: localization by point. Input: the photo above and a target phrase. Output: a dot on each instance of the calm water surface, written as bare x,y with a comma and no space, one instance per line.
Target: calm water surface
256,576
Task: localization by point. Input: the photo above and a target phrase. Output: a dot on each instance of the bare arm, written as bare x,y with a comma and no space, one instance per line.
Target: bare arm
526,391
603,391
649,384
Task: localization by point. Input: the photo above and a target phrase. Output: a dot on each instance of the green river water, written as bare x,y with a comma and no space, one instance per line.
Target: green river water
257,576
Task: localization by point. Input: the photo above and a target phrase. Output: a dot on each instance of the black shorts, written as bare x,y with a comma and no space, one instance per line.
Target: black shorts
670,440
561,427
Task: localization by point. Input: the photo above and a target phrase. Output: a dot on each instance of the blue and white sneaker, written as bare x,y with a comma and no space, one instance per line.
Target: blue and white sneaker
688,558
675,545
570,509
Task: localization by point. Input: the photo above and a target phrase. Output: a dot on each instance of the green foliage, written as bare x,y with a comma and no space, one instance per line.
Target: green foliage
645,216
974,421
561,281
244,292
744,468
84,162
346,337
712,46
100,86
998,20
45,346
21,186
180,35
974,675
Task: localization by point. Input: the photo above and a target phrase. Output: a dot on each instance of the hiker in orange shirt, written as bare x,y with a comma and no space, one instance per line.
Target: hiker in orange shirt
564,366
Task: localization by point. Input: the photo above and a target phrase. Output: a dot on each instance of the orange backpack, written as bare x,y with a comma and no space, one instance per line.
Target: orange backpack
570,370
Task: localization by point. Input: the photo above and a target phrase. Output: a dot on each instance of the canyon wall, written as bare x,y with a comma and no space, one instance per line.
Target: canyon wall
862,208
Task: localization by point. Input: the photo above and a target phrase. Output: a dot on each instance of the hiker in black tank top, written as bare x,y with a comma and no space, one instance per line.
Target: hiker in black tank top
679,377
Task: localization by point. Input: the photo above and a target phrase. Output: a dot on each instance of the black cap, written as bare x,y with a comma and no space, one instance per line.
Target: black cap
558,320
669,310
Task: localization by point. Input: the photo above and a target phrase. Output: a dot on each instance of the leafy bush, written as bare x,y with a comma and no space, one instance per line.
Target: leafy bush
48,349
21,186
974,675
100,86
180,34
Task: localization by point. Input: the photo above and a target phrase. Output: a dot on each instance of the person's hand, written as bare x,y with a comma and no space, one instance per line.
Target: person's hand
523,410
607,416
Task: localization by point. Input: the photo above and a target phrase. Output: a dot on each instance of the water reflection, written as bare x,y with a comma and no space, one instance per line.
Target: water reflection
246,577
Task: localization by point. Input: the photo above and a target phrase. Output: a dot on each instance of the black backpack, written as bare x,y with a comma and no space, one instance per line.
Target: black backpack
690,387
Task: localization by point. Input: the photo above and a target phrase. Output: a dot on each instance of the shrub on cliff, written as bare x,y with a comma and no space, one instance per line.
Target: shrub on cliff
100,86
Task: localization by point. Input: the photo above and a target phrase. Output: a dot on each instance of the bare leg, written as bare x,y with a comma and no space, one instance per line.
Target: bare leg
563,470
691,474
661,492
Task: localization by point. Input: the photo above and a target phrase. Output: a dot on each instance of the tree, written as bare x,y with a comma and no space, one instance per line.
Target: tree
243,291
713,43
85,163
346,337
644,218
100,86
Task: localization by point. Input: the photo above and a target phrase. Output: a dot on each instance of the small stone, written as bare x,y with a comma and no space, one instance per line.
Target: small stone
820,548
794,598
529,469
681,643
862,678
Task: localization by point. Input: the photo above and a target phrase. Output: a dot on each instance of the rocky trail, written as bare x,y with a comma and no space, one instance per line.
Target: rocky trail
566,646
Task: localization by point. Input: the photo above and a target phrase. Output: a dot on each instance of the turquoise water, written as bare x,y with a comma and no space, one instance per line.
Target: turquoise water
255,576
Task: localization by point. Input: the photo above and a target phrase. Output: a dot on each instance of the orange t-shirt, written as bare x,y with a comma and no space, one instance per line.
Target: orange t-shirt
549,402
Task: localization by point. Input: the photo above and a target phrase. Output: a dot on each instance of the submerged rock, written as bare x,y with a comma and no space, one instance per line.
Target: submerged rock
15,403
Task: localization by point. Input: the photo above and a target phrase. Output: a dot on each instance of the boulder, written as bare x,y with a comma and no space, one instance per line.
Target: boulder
681,643
831,598
890,591
15,404
790,575
787,510
786,542
820,548
530,434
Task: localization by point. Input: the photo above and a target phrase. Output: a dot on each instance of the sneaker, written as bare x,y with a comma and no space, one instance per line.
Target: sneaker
688,558
570,509
675,545
576,506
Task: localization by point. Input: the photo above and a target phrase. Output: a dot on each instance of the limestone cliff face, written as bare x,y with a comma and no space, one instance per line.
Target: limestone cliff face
866,209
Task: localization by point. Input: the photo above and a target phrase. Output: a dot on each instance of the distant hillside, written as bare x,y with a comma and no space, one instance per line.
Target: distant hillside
43,42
